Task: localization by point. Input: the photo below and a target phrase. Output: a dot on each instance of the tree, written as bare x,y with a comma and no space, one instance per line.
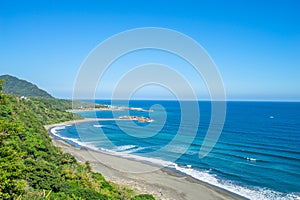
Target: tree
1,85
2,101
31,167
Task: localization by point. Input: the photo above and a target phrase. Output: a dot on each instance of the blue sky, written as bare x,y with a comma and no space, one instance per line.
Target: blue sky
255,44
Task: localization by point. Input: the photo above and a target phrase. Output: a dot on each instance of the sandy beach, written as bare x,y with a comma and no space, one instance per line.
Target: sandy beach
163,183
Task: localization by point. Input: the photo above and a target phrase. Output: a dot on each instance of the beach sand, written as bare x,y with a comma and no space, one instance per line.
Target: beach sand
163,183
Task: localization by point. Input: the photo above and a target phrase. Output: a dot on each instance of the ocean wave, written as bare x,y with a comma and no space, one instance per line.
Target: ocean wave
223,154
58,128
138,109
125,147
98,126
250,193
126,151
268,154
73,140
255,147
250,159
253,161
207,177
134,150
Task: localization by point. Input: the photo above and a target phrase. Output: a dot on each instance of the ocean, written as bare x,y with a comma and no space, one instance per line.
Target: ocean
257,155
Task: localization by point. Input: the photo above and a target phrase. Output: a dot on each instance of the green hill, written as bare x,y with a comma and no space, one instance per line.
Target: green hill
13,85
31,167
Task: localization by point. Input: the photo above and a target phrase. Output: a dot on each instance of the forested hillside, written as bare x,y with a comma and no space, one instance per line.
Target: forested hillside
31,167
13,85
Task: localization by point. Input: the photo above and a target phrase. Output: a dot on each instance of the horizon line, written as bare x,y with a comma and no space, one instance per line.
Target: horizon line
227,100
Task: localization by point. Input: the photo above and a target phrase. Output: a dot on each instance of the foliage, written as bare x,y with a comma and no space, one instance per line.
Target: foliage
1,85
143,197
31,167
13,85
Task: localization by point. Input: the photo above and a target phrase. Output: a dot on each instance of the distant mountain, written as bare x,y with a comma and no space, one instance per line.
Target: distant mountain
13,85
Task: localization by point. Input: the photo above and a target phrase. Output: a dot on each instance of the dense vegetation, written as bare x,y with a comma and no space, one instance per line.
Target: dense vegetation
31,167
13,85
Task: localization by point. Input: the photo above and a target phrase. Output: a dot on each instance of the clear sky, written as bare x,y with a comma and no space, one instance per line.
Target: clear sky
255,44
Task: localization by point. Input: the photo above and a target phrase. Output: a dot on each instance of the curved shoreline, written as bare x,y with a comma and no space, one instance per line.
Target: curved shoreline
163,183
77,121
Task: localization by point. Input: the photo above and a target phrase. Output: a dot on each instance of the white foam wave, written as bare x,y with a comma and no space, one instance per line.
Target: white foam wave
122,151
250,159
125,147
98,126
250,193
74,140
58,128
205,175
128,149
134,150
139,109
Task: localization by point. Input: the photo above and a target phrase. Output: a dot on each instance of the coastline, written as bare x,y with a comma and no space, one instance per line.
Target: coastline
163,183
113,108
77,121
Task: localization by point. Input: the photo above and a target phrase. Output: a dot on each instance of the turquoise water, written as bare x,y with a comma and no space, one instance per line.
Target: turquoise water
257,155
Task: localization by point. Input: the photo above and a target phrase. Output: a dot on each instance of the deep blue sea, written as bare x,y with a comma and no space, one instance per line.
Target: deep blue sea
257,155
